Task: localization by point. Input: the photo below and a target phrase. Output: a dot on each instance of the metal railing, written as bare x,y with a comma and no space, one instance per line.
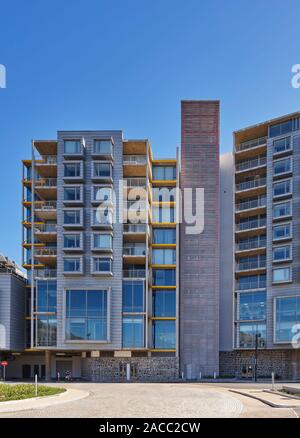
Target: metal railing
246,185
255,264
46,182
249,164
252,284
251,244
134,228
251,143
135,182
46,251
46,205
45,273
47,159
134,250
134,273
134,159
46,228
254,223
252,203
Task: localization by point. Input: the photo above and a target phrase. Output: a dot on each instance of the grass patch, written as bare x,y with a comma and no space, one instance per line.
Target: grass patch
20,392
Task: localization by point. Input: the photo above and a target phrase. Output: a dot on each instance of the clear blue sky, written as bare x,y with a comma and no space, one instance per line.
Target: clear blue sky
126,64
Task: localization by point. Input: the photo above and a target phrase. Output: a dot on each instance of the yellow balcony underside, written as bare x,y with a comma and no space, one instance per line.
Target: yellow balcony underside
164,183
166,161
163,266
163,350
163,287
163,245
163,203
163,318
163,224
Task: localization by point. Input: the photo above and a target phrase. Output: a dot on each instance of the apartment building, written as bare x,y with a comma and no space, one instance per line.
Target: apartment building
266,257
100,245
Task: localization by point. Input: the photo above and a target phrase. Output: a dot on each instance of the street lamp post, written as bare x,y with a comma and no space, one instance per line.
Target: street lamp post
257,336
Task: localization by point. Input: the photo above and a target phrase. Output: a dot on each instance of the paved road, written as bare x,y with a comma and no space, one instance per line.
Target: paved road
157,400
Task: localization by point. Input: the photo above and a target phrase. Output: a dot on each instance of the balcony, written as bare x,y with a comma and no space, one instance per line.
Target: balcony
46,210
135,182
257,204
46,255
135,211
134,232
46,188
252,264
251,227
251,147
255,283
47,167
134,273
251,246
255,186
134,254
46,232
134,165
45,274
250,164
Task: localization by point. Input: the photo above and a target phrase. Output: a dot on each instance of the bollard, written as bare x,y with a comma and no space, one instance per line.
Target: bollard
36,384
200,375
128,372
273,381
182,375
215,375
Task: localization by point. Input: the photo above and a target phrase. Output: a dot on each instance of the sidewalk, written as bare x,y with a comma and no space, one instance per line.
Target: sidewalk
43,402
275,399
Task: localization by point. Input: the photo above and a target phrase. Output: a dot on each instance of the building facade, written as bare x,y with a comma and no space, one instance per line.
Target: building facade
266,262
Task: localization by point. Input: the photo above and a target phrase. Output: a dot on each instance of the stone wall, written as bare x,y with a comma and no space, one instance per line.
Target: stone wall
284,363
150,369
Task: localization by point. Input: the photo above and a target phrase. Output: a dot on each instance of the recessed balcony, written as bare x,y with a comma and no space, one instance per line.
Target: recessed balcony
134,273
134,254
46,255
46,232
46,188
134,165
255,263
253,187
134,232
46,210
251,164
252,147
47,166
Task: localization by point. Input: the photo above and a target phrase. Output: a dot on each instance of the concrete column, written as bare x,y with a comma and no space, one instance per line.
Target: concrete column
48,365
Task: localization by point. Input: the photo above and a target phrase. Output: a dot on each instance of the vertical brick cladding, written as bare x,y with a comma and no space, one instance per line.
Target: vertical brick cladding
199,253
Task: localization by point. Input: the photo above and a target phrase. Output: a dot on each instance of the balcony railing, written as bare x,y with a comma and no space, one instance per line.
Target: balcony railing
46,182
246,185
48,159
45,273
135,159
251,144
46,206
252,203
135,250
46,228
46,251
135,182
250,164
249,225
134,273
255,264
251,244
252,284
134,228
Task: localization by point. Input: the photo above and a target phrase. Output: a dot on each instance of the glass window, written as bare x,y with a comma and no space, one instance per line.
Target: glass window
164,303
164,256
133,296
46,296
72,264
287,316
248,332
102,264
72,193
102,241
282,166
282,253
252,282
72,241
282,188
102,147
164,194
72,170
282,231
281,128
72,217
86,315
102,170
164,173
164,277
281,275
164,334
133,331
282,144
282,209
72,147
163,214
164,235
102,193
46,330
252,305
